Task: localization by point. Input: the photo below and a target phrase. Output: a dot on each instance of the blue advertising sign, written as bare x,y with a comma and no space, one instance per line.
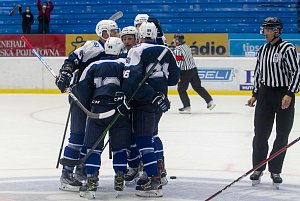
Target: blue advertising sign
247,44
247,82
216,74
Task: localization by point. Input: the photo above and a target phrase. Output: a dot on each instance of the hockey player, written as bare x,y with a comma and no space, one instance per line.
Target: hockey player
102,80
151,97
77,61
158,145
129,36
140,18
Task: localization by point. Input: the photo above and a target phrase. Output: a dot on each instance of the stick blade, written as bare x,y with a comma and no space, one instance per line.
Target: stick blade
68,162
116,16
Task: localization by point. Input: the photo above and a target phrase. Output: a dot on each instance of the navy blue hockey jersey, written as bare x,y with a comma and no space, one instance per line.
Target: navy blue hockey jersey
139,60
101,78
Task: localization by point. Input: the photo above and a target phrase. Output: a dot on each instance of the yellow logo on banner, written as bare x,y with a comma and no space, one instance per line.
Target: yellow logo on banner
74,41
204,45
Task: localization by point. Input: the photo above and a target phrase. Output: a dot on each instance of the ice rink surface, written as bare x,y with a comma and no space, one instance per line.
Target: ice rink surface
205,150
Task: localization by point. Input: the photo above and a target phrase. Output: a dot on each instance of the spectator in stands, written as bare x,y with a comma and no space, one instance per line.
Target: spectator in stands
44,16
188,74
27,19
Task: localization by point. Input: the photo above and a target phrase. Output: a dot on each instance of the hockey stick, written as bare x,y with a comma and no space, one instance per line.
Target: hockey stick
13,10
256,167
69,162
86,111
64,136
76,78
116,16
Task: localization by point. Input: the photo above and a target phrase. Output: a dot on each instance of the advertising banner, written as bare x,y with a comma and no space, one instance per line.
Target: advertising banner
48,45
204,45
226,73
248,44
74,41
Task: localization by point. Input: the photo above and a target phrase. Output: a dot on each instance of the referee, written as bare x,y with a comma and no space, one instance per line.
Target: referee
188,74
276,80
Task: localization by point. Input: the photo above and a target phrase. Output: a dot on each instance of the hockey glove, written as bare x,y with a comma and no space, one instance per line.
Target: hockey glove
158,26
63,79
121,101
161,101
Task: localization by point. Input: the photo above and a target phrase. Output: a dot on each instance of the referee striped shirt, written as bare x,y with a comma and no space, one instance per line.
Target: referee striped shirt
277,66
184,57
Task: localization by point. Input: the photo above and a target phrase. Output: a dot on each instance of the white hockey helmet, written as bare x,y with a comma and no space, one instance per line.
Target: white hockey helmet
148,30
113,46
130,30
106,25
140,18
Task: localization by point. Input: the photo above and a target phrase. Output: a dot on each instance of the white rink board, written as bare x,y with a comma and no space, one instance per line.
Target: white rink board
30,73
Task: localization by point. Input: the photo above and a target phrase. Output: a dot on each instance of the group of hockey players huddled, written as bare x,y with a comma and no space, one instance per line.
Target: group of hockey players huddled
107,75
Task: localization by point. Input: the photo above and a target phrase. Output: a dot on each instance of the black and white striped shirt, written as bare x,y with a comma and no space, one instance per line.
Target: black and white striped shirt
277,66
184,57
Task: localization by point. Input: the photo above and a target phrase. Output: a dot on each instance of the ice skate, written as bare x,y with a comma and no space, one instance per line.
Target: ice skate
80,173
162,171
90,188
119,181
185,110
149,187
211,105
277,180
131,176
68,182
255,177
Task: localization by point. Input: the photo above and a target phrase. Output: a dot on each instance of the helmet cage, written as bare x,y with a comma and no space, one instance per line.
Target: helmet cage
272,23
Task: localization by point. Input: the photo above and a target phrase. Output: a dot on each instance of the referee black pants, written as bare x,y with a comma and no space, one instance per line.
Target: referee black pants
268,108
191,76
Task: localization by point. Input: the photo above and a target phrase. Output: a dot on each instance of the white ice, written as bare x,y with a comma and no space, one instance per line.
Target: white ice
205,150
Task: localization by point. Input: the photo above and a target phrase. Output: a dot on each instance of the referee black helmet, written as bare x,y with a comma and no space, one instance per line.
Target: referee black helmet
179,37
272,23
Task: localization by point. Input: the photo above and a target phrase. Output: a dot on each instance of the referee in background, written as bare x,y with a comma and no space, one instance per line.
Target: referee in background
276,80
188,74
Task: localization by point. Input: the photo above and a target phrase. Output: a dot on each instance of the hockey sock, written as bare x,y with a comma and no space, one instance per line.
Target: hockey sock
72,150
120,160
133,156
158,147
145,145
93,163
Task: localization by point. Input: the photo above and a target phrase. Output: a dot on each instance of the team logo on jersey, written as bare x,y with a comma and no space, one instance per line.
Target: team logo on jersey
96,44
276,58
